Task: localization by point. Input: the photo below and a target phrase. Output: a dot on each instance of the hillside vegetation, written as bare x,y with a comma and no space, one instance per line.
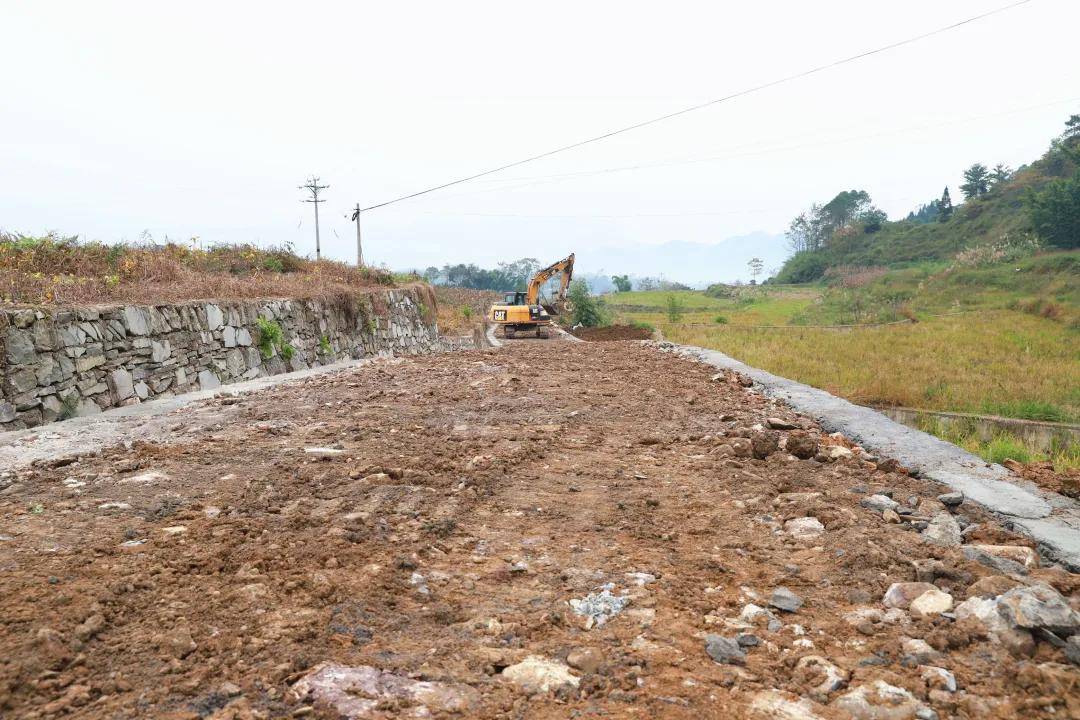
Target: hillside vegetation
54,270
1036,205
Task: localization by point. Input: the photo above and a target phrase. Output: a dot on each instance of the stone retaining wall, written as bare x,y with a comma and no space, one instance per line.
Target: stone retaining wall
56,364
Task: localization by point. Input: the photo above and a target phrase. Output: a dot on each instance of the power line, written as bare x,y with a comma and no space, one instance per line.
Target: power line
756,150
710,103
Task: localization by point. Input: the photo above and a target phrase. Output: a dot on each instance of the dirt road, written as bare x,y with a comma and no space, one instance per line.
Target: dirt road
424,526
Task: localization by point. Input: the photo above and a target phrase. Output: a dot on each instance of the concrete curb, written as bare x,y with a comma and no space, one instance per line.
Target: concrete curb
1050,519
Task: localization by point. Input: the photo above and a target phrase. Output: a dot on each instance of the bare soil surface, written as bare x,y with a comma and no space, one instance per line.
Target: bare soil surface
612,332
1043,474
423,525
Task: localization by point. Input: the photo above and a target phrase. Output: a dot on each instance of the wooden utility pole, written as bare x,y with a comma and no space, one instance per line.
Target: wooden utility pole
314,187
359,247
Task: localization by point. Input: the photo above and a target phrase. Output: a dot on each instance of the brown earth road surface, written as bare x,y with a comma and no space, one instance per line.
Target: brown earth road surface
461,502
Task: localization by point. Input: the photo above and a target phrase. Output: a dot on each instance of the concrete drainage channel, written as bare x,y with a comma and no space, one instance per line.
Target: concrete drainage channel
1052,520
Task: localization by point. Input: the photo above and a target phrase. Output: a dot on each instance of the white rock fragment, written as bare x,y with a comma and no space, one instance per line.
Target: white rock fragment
146,478
931,602
827,676
771,705
804,528
323,452
537,674
879,701
938,678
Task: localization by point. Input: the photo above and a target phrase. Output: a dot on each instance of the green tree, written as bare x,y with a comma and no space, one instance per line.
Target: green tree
587,310
976,181
621,282
945,207
1000,175
1072,128
674,308
1055,213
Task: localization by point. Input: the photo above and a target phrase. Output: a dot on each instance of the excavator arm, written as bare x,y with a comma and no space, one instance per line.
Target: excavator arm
564,266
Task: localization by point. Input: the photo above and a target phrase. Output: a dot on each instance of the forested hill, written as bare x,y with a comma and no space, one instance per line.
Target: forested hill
1037,204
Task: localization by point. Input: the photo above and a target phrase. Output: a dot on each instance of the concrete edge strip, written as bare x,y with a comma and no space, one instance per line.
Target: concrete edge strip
489,330
1021,509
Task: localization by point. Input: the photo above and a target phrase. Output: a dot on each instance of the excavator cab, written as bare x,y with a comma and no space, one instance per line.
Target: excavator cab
515,298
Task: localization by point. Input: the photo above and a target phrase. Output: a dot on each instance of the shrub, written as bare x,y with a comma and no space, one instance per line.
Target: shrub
271,338
675,308
1055,212
720,320
587,311
324,345
466,312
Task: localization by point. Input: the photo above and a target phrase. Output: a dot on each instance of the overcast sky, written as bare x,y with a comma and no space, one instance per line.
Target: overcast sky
201,118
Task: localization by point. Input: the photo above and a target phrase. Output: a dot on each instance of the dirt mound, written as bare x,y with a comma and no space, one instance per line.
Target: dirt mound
612,332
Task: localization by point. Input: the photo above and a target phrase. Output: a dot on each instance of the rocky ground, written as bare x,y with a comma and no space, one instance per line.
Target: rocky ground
546,530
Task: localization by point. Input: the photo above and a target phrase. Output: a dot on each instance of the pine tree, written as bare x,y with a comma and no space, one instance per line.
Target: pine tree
976,181
945,207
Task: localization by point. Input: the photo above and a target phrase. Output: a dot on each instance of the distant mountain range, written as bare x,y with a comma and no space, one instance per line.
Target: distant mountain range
690,263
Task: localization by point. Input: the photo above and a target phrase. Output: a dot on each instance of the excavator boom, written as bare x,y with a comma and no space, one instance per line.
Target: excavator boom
564,266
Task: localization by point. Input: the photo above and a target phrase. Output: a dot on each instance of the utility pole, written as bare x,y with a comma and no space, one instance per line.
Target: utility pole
359,247
314,187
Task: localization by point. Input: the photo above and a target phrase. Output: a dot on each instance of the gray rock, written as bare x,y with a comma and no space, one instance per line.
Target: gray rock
724,650
235,363
214,317
881,503
88,362
943,530
136,320
1000,564
7,412
1039,606
784,599
21,381
121,384
20,347
228,336
23,318
142,390
801,445
243,337
599,607
208,380
780,424
764,443
953,499
747,640
1072,649
160,351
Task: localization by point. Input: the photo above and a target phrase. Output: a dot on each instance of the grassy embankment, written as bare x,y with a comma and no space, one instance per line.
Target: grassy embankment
1001,339
52,270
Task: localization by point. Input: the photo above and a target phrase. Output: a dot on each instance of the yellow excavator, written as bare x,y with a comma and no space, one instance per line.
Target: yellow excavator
523,311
